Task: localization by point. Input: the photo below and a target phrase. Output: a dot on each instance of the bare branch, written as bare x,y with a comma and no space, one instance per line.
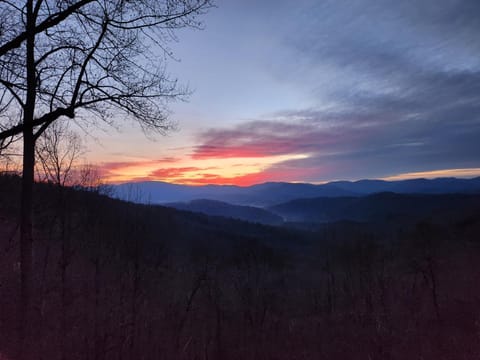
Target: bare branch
48,23
9,86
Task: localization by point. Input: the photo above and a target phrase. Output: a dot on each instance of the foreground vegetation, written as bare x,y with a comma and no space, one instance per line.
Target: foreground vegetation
117,280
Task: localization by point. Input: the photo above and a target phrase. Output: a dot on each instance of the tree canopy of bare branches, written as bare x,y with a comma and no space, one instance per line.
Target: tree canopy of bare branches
100,57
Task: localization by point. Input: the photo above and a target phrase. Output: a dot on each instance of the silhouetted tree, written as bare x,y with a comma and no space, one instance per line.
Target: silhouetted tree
76,59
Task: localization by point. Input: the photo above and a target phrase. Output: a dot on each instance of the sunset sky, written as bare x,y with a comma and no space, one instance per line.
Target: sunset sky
314,91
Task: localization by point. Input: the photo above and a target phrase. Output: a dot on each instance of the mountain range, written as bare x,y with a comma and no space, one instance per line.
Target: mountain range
273,193
441,199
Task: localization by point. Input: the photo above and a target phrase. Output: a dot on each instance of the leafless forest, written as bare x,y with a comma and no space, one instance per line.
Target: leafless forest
130,281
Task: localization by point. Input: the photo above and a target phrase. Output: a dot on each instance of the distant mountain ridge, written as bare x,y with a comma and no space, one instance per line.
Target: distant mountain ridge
272,193
412,186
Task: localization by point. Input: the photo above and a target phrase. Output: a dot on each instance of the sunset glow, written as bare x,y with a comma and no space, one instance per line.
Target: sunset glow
237,171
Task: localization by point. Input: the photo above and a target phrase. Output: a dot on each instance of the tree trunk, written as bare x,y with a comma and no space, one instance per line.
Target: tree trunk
26,243
26,229
134,310
63,273
96,311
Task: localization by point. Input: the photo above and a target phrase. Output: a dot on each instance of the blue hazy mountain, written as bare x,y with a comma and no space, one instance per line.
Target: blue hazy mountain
273,193
411,186
257,195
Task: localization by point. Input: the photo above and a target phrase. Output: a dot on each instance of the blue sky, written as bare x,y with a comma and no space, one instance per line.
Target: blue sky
315,91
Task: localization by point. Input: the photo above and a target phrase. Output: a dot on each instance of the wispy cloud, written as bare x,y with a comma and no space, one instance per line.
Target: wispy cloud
269,138
458,173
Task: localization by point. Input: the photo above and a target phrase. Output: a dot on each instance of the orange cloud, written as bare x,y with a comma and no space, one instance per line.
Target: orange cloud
266,175
174,172
240,171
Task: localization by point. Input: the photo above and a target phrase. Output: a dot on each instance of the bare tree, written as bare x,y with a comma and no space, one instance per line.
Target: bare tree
84,59
88,177
58,150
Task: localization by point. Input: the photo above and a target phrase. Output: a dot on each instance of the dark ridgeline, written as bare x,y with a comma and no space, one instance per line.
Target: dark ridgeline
149,282
381,207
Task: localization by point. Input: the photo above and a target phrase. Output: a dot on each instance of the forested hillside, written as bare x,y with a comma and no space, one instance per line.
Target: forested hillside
146,282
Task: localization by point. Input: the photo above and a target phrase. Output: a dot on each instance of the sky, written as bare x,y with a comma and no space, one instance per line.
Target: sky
314,91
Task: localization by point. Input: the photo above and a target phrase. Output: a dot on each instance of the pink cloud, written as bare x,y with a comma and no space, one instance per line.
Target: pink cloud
270,138
320,146
273,173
